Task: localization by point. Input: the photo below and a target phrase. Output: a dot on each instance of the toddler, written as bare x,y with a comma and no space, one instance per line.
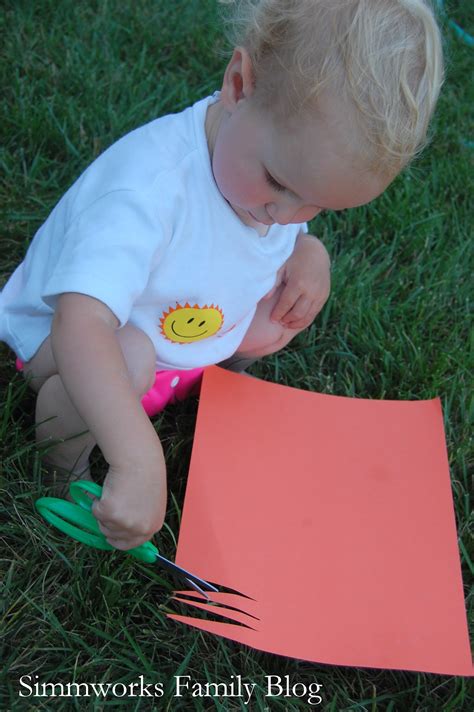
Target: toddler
185,243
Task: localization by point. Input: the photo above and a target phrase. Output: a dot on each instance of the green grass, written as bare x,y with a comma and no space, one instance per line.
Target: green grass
74,78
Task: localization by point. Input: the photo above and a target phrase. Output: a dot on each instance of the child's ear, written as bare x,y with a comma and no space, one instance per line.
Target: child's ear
239,81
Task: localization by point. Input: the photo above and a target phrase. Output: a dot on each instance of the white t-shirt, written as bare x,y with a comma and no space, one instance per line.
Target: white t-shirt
146,231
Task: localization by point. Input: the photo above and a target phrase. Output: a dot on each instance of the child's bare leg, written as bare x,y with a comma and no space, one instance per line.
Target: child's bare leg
56,417
58,421
263,336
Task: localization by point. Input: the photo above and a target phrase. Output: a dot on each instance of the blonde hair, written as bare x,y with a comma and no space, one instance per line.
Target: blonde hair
384,56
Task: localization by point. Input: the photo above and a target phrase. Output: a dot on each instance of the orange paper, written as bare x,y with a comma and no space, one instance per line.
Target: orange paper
335,517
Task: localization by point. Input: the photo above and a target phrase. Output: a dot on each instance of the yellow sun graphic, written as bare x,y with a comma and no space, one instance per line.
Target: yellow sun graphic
185,324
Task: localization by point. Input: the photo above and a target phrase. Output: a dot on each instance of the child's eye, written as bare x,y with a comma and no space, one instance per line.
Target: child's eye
274,183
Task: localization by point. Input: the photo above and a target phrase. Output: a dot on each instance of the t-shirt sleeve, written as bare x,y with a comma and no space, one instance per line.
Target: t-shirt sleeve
108,252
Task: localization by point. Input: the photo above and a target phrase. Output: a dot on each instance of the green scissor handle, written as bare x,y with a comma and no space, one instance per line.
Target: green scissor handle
78,522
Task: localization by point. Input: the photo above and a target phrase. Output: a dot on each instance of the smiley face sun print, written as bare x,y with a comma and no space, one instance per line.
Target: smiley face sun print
183,325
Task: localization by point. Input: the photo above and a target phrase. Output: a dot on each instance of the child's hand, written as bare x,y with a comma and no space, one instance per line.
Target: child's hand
306,276
133,504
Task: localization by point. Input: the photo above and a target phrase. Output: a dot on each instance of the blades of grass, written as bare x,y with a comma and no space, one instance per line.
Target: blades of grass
466,556
138,651
124,656
182,666
458,701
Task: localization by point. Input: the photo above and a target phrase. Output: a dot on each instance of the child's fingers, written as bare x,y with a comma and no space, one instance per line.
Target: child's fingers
110,526
307,318
107,530
299,313
108,515
125,544
301,324
120,532
289,296
119,539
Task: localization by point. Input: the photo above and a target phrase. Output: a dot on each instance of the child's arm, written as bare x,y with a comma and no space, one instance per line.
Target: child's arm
93,370
307,280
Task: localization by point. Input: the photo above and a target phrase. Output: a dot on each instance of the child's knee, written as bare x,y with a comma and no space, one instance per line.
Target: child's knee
265,336
140,357
284,339
41,366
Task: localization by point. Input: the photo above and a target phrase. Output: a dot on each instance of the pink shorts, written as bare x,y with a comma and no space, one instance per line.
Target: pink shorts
169,387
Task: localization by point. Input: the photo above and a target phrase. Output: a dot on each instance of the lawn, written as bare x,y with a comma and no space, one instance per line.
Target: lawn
74,78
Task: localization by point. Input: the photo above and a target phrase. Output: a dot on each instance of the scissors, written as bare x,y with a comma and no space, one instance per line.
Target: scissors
76,520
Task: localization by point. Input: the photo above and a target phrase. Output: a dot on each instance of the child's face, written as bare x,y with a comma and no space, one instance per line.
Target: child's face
283,176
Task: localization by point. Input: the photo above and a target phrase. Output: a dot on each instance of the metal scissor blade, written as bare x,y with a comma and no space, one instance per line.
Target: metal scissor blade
195,581
197,588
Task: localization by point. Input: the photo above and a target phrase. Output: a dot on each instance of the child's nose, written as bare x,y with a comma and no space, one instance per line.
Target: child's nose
282,213
286,213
